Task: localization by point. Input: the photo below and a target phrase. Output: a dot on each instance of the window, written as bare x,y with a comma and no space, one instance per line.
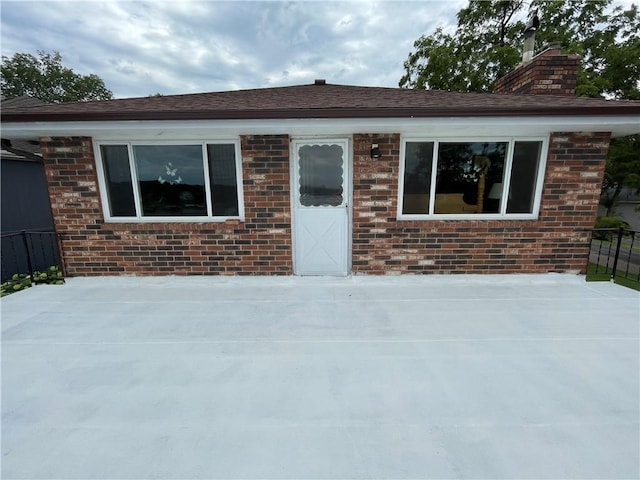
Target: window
321,175
170,182
466,179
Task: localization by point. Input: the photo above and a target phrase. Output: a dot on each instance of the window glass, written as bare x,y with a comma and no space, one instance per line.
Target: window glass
417,177
171,180
524,172
320,170
115,159
466,173
222,178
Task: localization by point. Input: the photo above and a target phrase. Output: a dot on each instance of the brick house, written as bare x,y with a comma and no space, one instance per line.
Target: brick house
330,179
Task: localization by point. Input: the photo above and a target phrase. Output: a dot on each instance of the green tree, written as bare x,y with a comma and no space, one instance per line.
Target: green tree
44,77
488,43
482,50
622,170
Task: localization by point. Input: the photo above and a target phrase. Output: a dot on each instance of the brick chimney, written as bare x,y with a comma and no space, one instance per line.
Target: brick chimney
548,73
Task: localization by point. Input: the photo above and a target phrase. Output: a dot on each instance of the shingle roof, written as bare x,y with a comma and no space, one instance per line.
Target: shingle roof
22,101
17,149
321,101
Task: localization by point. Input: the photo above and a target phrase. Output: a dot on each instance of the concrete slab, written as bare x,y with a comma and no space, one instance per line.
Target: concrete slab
363,377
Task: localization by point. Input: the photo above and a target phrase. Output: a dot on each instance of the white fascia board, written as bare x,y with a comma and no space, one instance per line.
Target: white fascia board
442,127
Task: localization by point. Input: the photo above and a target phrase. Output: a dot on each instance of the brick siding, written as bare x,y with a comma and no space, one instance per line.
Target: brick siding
548,73
558,241
259,245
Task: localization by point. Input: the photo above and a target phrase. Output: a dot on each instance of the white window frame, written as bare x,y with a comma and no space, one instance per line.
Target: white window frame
139,218
502,215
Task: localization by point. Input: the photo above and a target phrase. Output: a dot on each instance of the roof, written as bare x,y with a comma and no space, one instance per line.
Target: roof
22,101
320,100
17,149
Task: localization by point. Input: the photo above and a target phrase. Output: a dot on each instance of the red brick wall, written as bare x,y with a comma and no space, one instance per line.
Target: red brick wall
555,242
259,245
548,73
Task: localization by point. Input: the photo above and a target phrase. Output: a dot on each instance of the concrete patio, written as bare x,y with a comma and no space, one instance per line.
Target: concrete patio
362,377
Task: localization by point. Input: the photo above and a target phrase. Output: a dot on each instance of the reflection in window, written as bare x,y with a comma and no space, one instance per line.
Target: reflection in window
320,168
118,179
222,177
470,177
524,176
417,177
466,172
171,180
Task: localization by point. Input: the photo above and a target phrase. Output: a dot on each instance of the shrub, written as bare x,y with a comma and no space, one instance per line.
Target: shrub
609,222
20,281
17,282
51,276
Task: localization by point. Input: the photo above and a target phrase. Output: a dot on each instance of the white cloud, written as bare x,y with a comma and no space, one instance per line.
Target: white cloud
140,48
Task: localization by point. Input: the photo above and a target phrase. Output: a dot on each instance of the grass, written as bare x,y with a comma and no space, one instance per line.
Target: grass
625,244
604,275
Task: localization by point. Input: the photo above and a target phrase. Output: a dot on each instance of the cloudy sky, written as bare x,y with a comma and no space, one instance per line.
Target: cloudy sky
181,46
140,48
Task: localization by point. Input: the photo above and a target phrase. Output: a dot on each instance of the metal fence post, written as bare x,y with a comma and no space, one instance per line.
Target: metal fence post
615,259
26,247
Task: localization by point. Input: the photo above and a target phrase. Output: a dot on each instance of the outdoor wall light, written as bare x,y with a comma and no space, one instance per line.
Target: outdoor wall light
375,151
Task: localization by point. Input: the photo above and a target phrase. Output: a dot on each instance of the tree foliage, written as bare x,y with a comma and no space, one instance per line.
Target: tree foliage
488,43
44,77
622,170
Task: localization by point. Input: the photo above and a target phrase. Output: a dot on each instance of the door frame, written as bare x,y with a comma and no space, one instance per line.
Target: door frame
347,140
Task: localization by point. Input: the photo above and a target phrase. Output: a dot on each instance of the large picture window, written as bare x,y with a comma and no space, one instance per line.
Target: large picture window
170,182
470,179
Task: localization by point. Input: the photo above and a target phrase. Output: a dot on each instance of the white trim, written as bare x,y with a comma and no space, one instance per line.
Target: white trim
542,170
441,127
403,150
102,185
502,215
349,180
292,202
347,200
239,177
506,178
140,218
207,175
137,196
434,176
322,141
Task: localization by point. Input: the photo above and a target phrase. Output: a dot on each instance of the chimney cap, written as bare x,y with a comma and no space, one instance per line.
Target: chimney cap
320,81
533,22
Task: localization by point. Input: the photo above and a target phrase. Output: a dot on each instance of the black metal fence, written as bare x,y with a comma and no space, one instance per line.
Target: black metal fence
28,251
615,252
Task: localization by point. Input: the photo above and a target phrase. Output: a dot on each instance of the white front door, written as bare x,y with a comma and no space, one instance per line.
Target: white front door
320,191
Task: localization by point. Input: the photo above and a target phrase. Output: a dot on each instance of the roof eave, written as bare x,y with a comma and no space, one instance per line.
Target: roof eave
370,112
